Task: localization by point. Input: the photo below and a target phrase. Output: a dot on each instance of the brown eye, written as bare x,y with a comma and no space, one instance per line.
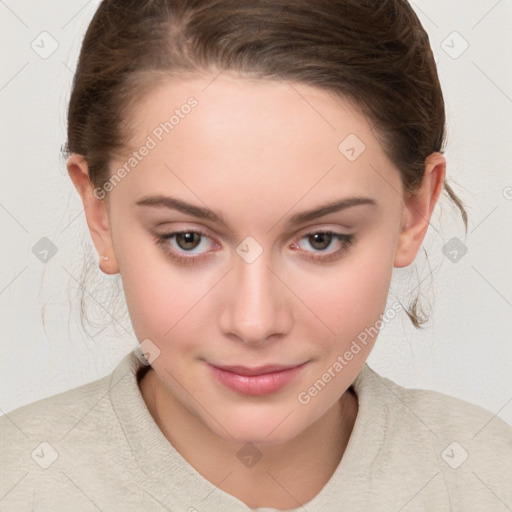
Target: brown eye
320,241
324,246
187,247
188,241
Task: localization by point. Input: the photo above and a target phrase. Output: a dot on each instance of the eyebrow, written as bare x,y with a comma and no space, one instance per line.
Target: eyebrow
173,203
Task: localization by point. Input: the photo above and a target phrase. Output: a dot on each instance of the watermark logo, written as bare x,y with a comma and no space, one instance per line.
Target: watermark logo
147,352
454,455
454,45
45,45
44,250
249,455
455,250
352,147
44,455
249,250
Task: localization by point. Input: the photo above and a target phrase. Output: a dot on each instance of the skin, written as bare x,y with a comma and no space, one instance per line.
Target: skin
256,152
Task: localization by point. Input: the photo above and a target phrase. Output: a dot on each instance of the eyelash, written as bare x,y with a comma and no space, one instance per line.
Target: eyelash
346,242
163,241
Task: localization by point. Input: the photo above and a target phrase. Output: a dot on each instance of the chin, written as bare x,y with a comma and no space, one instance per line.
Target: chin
259,437
257,426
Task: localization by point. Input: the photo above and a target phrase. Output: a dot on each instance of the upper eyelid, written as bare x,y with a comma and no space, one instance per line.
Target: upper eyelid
202,231
323,229
302,232
181,231
336,235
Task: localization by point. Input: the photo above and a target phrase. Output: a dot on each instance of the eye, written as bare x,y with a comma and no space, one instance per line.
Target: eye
179,243
190,246
320,241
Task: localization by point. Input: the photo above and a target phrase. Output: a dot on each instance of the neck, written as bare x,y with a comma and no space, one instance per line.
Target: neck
288,474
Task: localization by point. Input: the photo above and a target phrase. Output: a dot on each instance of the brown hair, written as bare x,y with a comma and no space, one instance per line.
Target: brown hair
374,52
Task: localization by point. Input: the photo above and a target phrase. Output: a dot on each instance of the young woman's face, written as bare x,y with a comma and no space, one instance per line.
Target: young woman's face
255,278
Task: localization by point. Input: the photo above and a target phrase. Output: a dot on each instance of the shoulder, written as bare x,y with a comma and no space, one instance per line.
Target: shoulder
466,449
59,413
53,413
441,413
32,436
53,450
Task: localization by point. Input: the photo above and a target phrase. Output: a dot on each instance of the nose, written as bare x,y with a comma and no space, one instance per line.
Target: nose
257,306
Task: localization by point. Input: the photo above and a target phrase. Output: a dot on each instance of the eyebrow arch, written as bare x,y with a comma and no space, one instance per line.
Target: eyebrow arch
182,206
332,207
173,203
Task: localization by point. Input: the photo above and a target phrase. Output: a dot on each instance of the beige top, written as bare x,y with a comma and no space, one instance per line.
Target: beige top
96,447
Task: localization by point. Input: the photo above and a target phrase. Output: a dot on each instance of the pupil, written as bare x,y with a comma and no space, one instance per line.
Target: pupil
323,239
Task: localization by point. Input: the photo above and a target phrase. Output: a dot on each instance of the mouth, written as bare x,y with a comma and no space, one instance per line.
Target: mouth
256,381
259,370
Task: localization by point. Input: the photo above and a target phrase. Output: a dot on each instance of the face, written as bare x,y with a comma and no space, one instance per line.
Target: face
251,235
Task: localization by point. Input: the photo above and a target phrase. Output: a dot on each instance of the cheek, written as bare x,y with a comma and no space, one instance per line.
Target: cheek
159,302
165,300
350,296
157,294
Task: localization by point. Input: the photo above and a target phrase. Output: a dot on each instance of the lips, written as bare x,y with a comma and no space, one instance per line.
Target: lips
259,370
256,381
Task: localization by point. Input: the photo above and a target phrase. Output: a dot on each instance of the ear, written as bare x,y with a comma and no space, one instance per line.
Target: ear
418,210
96,211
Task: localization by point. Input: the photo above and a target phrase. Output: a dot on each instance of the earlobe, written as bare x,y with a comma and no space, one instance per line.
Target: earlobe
418,210
96,213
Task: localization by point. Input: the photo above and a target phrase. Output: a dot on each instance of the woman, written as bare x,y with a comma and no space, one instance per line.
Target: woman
254,170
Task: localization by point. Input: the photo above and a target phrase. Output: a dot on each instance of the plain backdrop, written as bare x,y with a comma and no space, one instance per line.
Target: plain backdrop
464,351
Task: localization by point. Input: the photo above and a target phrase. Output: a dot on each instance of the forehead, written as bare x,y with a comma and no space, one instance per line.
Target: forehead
254,136
254,109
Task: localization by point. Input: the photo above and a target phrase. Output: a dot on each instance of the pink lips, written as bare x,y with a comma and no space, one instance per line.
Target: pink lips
262,380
